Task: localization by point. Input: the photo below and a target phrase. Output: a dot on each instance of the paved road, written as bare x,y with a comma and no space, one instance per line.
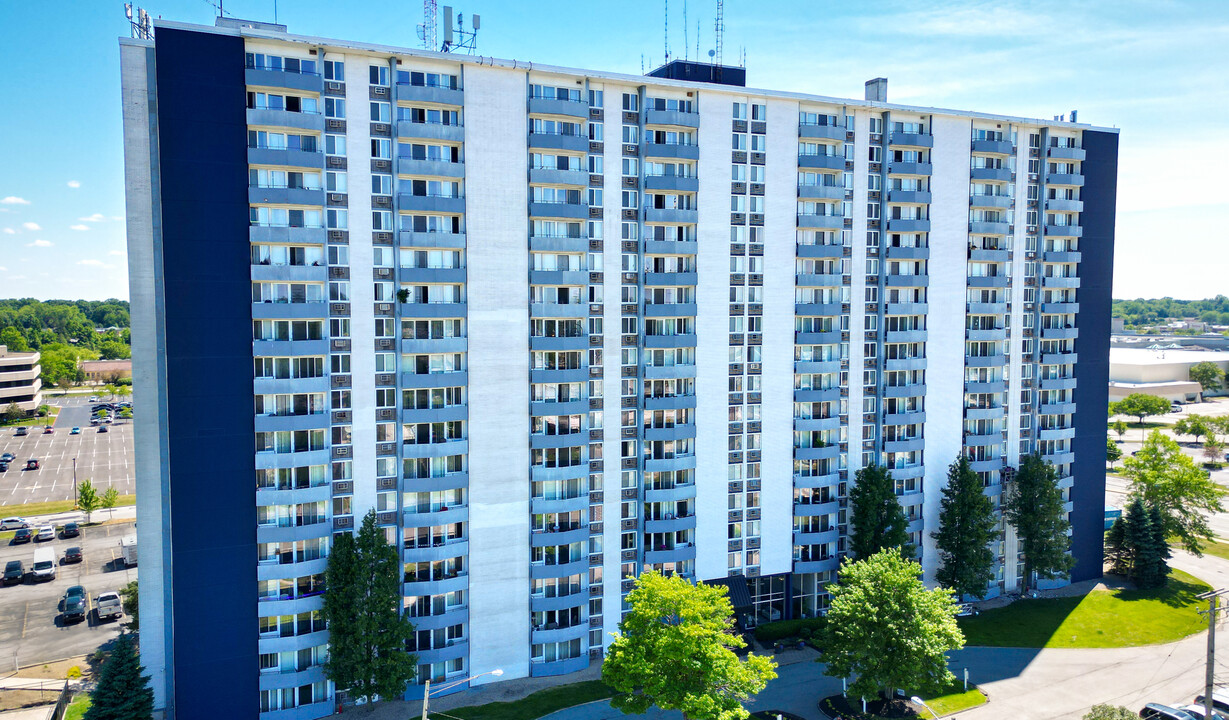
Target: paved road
105,458
30,627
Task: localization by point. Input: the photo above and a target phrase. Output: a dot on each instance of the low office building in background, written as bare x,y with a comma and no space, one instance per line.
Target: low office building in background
1164,373
559,327
20,383
105,371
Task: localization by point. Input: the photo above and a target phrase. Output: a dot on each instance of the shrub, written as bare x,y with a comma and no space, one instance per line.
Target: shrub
73,673
803,628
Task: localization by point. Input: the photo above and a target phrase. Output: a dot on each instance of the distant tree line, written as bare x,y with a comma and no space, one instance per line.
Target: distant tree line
66,332
1140,312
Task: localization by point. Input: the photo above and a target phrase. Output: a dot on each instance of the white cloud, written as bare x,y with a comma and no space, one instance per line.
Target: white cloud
39,243
14,200
10,231
79,227
95,263
74,183
31,226
3,269
96,217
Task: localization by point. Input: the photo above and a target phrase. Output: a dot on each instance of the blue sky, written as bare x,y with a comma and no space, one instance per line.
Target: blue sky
1155,69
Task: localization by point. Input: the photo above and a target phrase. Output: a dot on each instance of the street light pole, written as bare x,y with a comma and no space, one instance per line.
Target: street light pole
426,690
919,701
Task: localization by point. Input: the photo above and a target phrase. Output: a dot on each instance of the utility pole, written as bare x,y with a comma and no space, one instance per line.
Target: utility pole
1211,596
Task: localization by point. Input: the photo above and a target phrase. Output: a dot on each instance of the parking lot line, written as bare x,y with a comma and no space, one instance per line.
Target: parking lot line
24,617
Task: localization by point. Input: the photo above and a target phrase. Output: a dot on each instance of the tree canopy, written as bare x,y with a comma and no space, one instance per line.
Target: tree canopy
1035,509
1140,312
1139,405
1161,474
886,629
966,529
675,650
1208,374
122,692
878,519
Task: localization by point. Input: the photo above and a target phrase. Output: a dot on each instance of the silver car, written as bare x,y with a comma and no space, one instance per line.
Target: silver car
14,523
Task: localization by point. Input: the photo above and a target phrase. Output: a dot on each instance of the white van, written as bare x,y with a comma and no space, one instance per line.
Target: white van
44,564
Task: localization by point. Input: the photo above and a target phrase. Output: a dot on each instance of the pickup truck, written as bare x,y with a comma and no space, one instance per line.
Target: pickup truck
108,605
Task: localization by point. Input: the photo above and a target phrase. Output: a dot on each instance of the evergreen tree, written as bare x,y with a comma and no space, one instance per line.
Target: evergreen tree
122,692
1139,534
1116,552
368,633
966,529
1160,544
878,519
1036,511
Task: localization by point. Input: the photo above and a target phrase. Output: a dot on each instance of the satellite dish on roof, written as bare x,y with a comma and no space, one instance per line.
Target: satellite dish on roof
712,53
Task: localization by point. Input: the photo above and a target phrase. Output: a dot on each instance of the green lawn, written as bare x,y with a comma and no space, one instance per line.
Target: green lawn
76,709
543,702
955,700
34,421
59,506
1214,548
1100,619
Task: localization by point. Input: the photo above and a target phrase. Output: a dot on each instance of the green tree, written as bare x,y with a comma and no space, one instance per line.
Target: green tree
1035,509
14,340
1208,374
1161,474
1120,427
1138,544
884,627
1110,712
675,650
1117,553
368,633
1159,552
108,500
878,519
122,692
13,413
1197,426
1140,406
113,349
132,607
1113,453
966,529
1213,450
87,498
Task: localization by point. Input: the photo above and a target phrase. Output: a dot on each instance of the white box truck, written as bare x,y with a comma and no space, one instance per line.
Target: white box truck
44,564
129,548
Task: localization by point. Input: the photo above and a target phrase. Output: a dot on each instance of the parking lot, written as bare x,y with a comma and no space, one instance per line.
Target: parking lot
31,630
104,458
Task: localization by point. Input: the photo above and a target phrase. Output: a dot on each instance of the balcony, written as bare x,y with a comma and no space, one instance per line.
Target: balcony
993,147
906,308
553,632
1056,333
290,311
1064,408
671,151
986,335
672,216
821,222
440,515
903,280
538,668
989,227
289,273
826,452
909,168
818,309
990,201
549,141
670,278
286,196
434,310
821,251
679,553
991,256
831,394
1074,231
568,211
434,380
432,275
433,168
820,279
558,375
670,524
1064,205
286,157
822,162
904,391
909,139
907,363
670,402
1060,308
1065,153
285,119
820,564
909,225
433,95
673,118
1062,358
988,386
983,413
1058,383
430,131
1054,281
822,132
434,583
670,310
904,336
672,183
438,550
981,361
555,106
264,77
914,197
989,281
981,308
674,494
821,192
993,174
829,337
431,203
552,176
1070,179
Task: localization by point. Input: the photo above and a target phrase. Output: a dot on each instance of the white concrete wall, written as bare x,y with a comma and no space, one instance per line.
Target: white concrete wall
713,336
498,285
857,290
362,288
143,220
777,439
949,233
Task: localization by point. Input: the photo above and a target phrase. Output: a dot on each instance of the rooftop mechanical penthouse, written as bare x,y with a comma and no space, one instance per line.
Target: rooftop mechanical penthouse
557,327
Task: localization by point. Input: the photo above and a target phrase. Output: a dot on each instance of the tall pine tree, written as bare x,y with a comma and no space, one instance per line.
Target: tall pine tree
1117,554
966,529
1160,545
122,692
1035,509
368,633
878,519
1139,534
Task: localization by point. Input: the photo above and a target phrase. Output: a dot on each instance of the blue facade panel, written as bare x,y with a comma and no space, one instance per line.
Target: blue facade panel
1092,346
202,138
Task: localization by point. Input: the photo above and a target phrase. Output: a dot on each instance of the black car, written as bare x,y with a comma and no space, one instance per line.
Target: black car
72,555
71,529
4,466
103,428
14,572
75,609
24,535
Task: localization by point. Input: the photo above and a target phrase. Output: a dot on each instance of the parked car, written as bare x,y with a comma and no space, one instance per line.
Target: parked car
1175,408
1198,712
44,564
1157,711
93,398
8,457
94,421
45,533
22,431
72,592
108,605
48,430
14,523
14,572
72,555
103,428
4,466
32,464
24,535
1220,700
75,431
76,608
69,530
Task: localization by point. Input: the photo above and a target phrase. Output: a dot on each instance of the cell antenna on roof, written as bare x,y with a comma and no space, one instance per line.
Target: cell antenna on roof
719,26
686,42
426,31
666,27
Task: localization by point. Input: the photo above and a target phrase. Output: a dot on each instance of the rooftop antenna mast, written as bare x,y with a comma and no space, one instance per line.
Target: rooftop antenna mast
426,31
666,29
460,38
686,42
140,24
719,26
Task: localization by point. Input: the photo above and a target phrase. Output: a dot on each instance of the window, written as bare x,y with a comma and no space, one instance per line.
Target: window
379,75
334,70
381,112
334,107
334,144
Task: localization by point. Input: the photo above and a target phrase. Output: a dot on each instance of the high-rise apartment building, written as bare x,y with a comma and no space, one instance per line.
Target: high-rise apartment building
558,327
